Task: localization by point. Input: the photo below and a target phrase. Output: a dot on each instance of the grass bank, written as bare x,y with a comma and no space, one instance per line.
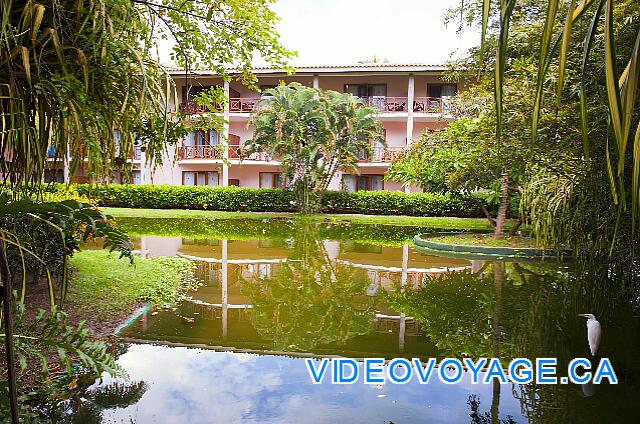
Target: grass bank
104,287
433,222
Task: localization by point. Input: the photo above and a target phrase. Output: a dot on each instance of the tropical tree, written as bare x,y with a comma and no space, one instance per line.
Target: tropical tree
72,72
313,133
461,159
465,156
586,57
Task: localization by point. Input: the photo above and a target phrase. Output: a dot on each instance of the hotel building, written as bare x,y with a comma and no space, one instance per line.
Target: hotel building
410,99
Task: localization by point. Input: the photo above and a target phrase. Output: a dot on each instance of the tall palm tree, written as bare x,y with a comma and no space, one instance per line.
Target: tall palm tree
313,133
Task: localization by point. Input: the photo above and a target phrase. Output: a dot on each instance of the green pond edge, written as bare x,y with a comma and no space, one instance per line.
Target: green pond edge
467,251
134,317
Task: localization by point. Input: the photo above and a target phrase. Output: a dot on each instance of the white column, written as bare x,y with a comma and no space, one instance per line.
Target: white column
225,132
410,94
65,167
316,81
225,300
145,177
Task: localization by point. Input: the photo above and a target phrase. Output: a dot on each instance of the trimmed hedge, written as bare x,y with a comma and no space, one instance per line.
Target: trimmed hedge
276,200
189,197
400,203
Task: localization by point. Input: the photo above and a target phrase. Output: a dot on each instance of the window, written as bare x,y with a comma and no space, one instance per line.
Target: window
234,182
116,177
193,91
124,177
51,151
441,90
136,177
272,180
202,138
440,96
362,182
366,90
189,93
200,178
374,282
374,95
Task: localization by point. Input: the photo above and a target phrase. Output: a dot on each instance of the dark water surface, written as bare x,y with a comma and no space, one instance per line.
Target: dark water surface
277,291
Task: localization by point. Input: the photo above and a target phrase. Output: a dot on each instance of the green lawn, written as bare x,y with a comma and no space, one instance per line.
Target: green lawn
105,286
435,222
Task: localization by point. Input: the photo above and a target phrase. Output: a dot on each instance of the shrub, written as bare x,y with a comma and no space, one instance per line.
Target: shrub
399,203
276,200
185,197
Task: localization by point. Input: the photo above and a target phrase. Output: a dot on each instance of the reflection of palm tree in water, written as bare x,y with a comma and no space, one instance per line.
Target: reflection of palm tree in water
87,406
310,300
478,417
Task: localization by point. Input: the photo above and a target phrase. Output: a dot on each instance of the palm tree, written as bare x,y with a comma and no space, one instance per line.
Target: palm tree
313,133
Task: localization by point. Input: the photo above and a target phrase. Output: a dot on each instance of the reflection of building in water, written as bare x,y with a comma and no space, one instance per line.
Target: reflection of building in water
384,267
220,314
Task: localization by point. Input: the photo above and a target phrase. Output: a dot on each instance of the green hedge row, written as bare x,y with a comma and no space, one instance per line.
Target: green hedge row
186,197
276,200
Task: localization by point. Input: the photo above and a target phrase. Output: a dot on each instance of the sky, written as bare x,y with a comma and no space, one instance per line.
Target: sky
325,32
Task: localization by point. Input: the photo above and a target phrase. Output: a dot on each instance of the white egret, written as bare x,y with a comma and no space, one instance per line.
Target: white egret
594,332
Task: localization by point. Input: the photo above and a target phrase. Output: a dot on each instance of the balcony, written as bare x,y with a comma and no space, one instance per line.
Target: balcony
237,105
236,152
216,152
381,155
399,104
199,152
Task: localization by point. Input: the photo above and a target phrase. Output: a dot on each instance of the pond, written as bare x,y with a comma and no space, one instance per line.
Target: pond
275,292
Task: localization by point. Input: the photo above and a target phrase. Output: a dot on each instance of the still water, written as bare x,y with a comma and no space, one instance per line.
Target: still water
277,291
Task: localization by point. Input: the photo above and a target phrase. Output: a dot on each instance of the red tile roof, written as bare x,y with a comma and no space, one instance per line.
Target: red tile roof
401,67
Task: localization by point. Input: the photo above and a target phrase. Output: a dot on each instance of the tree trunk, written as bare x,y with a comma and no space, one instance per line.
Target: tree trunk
7,295
504,207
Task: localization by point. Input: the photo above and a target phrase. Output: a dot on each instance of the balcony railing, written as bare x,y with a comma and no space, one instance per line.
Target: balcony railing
199,152
240,104
399,104
381,103
236,152
381,154
216,152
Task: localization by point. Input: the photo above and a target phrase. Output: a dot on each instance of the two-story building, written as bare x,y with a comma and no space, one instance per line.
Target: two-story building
410,99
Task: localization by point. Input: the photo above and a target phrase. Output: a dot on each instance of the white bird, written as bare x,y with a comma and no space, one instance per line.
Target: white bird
594,332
